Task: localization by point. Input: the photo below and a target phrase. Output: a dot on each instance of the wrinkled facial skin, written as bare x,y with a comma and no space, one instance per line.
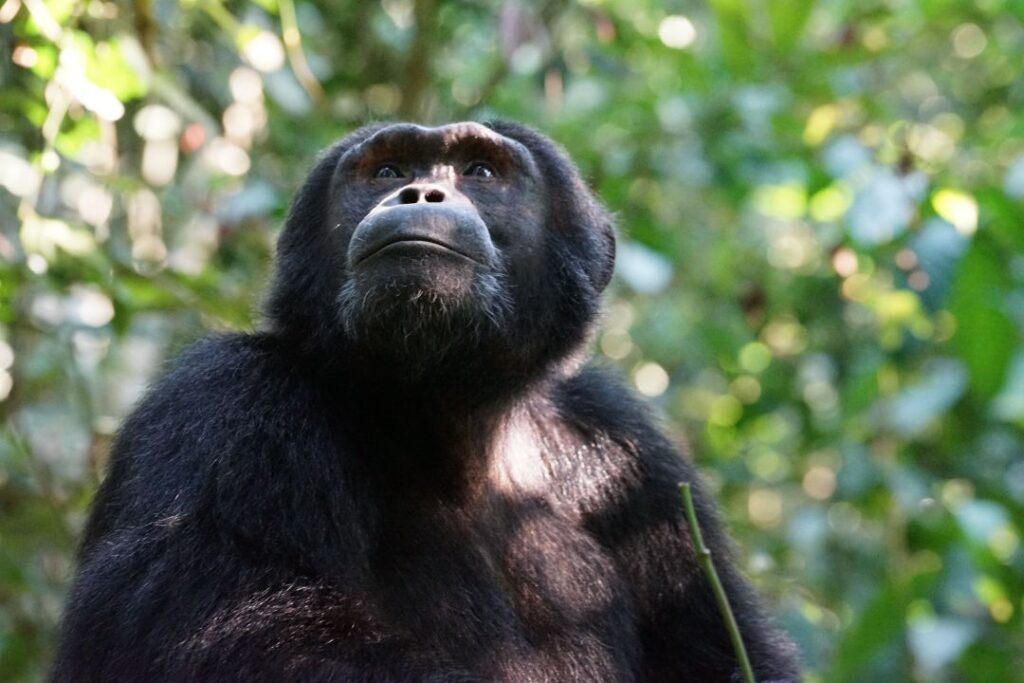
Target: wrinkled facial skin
434,225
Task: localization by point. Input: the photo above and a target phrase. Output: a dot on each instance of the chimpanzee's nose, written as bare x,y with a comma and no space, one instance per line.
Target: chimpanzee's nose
414,194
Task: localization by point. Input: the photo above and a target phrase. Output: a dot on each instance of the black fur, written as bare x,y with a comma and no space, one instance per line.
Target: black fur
408,484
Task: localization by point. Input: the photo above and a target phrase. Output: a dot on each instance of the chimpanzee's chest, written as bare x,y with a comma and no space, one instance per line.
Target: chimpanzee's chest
532,599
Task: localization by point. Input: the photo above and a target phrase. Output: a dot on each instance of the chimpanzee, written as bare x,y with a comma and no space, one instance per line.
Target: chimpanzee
413,472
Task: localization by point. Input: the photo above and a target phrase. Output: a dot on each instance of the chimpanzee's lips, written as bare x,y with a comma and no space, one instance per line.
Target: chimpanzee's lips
415,243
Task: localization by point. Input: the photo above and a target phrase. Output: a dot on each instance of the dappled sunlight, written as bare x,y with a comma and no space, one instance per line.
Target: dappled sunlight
958,208
820,276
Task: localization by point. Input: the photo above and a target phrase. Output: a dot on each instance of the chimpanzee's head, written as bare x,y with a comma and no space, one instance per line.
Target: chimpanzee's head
472,244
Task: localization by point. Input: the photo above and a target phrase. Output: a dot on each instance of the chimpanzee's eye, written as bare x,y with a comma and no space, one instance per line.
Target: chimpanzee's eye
479,169
388,171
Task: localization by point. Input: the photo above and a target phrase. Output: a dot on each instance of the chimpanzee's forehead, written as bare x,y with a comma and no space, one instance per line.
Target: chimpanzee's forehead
442,136
463,139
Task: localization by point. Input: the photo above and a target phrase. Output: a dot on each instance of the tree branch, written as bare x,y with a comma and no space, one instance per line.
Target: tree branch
417,68
293,45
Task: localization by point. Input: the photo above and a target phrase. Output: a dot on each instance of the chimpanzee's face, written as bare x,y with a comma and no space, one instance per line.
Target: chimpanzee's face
436,225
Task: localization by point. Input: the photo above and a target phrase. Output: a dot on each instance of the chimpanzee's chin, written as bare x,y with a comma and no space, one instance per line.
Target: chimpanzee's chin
405,318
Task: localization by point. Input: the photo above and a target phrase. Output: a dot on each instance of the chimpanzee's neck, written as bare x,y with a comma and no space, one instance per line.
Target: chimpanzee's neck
463,382
443,440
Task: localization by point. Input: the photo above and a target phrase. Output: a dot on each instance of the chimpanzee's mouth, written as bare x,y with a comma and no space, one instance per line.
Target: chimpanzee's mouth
415,243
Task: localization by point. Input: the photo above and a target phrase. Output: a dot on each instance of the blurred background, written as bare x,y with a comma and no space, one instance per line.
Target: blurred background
820,278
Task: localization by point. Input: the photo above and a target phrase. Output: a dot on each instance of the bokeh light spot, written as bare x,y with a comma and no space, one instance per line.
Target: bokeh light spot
764,508
844,261
968,41
819,482
651,379
264,51
958,208
755,357
677,32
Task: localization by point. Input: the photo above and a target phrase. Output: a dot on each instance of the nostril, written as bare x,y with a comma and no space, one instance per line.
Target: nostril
409,195
435,196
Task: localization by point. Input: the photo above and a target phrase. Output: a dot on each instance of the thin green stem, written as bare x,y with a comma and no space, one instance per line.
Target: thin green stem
708,565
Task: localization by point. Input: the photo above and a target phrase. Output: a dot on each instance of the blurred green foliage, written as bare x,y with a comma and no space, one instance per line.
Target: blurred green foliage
821,270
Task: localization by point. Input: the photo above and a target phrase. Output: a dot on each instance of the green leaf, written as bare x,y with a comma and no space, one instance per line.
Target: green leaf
70,141
733,33
1002,216
880,623
788,19
108,67
46,61
861,386
985,336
